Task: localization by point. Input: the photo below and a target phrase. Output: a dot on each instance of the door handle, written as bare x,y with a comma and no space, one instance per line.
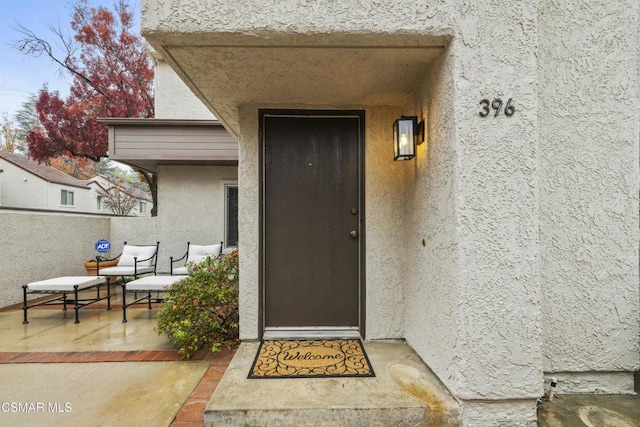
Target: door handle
353,234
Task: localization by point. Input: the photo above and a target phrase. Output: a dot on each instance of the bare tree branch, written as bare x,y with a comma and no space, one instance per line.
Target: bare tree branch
118,202
36,46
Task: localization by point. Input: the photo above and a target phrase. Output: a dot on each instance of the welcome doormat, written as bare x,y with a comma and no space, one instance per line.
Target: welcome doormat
311,359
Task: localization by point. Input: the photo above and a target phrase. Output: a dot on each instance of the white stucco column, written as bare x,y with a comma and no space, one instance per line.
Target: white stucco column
475,311
249,222
499,353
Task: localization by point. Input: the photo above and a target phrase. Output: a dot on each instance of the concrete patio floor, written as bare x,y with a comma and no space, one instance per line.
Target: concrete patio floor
104,372
100,371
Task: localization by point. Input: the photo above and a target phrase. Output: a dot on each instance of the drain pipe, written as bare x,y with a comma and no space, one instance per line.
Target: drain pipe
552,389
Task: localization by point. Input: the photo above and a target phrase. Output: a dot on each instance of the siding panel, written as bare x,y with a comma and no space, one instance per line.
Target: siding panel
172,142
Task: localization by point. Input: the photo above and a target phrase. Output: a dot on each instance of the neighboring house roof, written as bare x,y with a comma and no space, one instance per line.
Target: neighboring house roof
125,187
42,171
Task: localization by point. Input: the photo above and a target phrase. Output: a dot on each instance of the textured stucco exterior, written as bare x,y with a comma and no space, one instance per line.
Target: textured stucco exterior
249,223
592,382
39,246
518,247
191,204
589,112
432,277
385,224
134,231
497,349
174,100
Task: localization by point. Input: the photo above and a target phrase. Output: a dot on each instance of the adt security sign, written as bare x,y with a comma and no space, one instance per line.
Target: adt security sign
103,246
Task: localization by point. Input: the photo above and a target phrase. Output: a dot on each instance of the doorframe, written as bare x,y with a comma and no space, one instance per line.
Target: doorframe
360,115
226,184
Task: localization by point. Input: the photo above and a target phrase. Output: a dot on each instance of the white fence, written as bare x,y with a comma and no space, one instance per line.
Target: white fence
38,245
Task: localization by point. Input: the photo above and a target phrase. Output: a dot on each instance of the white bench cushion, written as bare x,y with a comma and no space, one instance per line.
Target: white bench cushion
153,283
124,271
64,284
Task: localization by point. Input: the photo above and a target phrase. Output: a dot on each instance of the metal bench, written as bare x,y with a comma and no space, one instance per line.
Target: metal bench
64,286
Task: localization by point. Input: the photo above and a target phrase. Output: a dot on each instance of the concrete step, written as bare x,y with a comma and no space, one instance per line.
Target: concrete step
404,392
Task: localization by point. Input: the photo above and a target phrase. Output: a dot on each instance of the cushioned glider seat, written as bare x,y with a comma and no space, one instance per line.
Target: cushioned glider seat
134,260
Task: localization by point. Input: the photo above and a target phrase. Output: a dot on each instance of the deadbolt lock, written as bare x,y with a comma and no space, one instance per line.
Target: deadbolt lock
354,211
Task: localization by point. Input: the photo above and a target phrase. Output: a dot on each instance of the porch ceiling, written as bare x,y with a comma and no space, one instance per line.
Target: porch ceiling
227,76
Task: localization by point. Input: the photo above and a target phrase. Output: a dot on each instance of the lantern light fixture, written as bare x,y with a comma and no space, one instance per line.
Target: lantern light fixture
407,132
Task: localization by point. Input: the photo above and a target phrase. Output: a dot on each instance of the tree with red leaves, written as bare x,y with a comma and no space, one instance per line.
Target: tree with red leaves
112,77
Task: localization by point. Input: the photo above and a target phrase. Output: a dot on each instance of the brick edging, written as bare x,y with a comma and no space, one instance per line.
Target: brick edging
192,411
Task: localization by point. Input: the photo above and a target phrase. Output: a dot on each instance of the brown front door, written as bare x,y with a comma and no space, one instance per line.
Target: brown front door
311,221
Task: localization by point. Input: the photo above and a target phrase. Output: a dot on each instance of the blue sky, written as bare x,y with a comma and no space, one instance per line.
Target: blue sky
21,75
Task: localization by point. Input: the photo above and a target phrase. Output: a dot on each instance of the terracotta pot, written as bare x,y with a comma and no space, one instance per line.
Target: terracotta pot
92,266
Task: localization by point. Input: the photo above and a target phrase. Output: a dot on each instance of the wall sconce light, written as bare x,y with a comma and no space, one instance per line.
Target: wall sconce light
407,132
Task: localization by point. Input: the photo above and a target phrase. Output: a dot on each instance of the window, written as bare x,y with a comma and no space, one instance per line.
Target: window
99,203
66,198
231,215
142,207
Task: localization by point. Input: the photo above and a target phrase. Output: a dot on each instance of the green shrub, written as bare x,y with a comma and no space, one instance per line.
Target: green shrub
202,309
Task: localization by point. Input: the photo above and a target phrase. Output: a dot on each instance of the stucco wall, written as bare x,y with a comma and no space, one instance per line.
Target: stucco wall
134,231
39,246
174,100
386,225
432,323
191,207
589,113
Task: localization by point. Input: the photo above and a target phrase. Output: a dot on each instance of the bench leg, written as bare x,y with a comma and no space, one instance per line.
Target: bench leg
76,306
24,304
124,303
108,293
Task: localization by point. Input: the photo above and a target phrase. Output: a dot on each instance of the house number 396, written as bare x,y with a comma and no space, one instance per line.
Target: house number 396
496,104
